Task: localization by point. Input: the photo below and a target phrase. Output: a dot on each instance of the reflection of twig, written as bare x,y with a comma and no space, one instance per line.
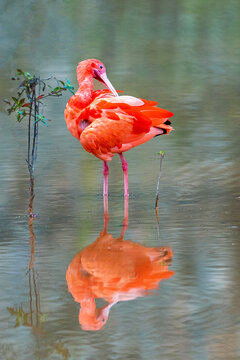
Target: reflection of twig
37,299
161,153
61,350
35,321
34,318
31,217
30,296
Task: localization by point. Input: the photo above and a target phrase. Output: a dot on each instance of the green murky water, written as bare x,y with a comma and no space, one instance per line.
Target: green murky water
184,54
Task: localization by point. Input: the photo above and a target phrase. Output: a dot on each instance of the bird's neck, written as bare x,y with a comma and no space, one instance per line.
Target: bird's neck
85,90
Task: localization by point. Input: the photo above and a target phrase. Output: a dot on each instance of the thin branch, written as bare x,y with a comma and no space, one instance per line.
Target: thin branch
34,130
162,154
33,88
29,136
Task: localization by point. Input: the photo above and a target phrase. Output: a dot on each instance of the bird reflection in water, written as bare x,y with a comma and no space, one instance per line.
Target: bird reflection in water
115,270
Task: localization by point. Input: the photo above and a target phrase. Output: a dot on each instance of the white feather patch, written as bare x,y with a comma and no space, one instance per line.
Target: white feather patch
130,100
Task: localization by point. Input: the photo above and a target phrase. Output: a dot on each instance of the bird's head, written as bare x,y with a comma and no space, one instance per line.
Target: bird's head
93,321
97,70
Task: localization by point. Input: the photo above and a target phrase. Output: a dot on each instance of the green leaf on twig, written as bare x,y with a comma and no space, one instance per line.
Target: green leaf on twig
42,119
162,153
30,95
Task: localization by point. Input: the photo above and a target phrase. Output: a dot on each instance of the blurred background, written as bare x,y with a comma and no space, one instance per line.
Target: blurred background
185,55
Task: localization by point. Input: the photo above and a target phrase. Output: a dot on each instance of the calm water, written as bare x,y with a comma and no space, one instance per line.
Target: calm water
184,54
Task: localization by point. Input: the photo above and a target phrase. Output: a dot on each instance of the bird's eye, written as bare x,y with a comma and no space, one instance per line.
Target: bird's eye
100,67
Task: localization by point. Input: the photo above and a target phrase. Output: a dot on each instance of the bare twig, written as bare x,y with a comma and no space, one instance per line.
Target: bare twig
162,154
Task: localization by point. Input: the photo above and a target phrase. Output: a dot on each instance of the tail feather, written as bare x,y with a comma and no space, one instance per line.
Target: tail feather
165,127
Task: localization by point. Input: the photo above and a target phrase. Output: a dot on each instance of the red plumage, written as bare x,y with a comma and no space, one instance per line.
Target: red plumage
107,124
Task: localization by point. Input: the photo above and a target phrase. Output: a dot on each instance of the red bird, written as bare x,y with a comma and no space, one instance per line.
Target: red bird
115,270
108,124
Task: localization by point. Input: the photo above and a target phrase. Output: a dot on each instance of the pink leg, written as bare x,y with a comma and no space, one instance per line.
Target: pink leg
105,182
106,212
125,172
125,218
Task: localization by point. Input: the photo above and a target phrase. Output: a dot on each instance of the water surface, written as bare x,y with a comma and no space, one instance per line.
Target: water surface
184,54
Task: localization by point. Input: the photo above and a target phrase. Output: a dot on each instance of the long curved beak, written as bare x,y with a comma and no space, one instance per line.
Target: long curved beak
105,80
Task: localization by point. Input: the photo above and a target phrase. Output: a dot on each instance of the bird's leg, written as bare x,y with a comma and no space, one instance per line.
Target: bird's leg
106,213
125,172
105,182
125,217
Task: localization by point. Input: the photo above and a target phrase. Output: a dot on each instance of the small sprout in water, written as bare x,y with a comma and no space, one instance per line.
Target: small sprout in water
162,153
35,91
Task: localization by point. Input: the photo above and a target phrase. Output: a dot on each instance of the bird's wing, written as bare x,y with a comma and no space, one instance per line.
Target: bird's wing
114,121
75,111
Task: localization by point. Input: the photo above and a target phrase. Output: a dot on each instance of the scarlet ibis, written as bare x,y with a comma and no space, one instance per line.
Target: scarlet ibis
115,270
108,124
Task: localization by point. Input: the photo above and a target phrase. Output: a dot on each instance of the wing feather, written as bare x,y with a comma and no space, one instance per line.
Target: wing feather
105,133
120,122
